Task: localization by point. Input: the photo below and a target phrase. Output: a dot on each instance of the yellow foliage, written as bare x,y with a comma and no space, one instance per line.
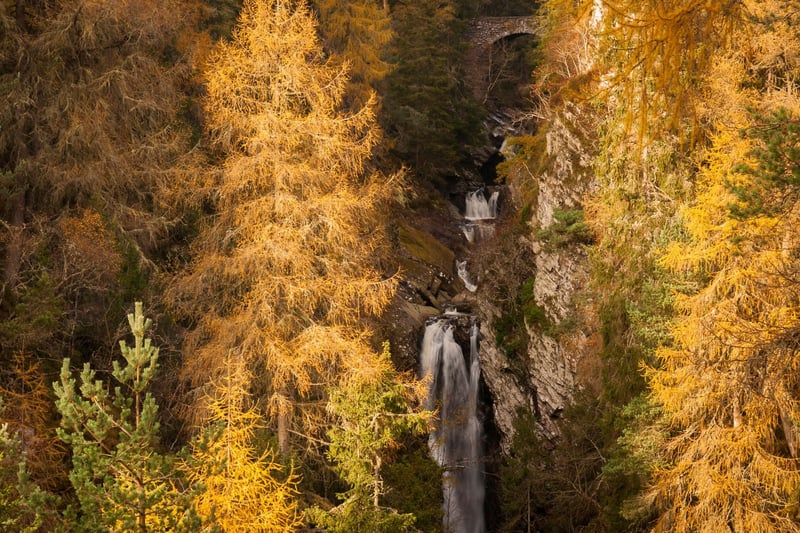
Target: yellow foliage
728,383
358,30
243,491
653,54
286,271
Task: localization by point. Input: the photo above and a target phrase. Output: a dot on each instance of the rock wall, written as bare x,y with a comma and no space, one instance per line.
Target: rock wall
556,347
562,271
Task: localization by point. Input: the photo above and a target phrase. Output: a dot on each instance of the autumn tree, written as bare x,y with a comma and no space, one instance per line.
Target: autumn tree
726,383
722,380
285,270
89,131
121,480
28,414
244,489
652,56
82,124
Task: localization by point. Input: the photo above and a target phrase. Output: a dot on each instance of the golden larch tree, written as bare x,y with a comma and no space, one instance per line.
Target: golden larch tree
89,117
243,491
652,55
286,268
727,382
358,31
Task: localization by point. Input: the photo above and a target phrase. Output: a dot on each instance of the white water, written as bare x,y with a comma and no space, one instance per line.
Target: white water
461,266
455,443
469,232
477,232
478,208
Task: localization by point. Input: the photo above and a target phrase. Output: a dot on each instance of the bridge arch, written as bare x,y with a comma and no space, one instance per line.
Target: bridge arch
482,33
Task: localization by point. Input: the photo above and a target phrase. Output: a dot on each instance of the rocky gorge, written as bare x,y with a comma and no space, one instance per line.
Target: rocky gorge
538,338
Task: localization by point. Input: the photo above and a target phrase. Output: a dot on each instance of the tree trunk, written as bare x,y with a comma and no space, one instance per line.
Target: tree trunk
142,522
529,509
737,413
283,422
283,433
789,430
20,15
376,489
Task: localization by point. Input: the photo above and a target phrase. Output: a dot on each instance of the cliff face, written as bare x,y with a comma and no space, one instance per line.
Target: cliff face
563,339
561,270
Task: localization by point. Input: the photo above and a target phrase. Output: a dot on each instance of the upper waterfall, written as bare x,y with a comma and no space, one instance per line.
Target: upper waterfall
479,208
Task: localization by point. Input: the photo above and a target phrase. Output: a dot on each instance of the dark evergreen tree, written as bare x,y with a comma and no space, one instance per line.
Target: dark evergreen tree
433,116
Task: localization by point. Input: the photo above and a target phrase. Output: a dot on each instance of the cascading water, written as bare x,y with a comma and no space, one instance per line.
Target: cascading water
479,208
478,211
475,232
455,443
461,267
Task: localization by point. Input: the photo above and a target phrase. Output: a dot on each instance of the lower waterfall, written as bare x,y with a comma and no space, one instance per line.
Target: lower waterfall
455,443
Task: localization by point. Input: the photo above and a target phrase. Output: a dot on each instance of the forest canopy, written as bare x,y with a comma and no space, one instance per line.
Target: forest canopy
210,212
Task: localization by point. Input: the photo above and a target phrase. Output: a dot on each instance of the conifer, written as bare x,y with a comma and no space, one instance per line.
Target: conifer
121,480
431,110
358,31
726,383
243,489
374,408
285,271
24,507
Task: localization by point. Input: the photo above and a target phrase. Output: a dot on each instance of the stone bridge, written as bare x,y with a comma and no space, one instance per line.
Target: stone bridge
482,33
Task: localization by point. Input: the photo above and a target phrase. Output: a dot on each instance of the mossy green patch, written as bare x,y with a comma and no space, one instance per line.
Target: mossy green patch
568,227
424,247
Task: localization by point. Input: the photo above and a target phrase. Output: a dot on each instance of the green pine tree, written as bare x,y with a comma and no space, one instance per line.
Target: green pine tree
122,481
373,410
433,116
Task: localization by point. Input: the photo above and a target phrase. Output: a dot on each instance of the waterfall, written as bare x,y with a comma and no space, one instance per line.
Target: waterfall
455,443
461,267
478,208
477,232
469,232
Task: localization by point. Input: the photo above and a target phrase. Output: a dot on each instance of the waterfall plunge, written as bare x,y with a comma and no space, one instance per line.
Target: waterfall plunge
477,232
455,444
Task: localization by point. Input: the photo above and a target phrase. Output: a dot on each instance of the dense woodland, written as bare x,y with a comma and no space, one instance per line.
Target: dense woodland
199,200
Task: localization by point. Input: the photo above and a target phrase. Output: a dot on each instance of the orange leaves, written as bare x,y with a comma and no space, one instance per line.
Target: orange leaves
727,382
28,405
286,271
655,53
